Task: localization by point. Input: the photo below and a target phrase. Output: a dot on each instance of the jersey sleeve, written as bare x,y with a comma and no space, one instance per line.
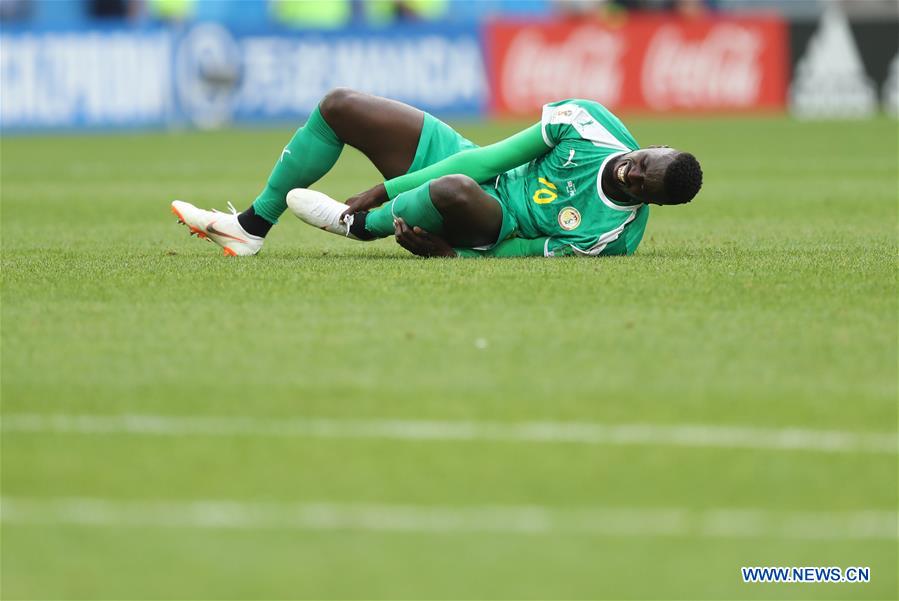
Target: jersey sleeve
480,164
584,120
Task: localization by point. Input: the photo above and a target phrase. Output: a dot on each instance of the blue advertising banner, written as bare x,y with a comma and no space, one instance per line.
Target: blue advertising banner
85,79
208,75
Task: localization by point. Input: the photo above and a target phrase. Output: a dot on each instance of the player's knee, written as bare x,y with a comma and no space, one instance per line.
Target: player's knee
452,191
337,103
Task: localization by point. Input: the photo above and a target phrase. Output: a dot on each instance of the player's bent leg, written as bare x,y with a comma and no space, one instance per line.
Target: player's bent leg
454,207
321,211
385,131
414,206
471,217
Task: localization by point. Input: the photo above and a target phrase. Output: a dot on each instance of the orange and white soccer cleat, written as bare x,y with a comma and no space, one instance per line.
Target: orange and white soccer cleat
221,228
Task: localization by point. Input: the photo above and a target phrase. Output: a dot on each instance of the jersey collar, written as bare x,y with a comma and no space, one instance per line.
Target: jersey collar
602,196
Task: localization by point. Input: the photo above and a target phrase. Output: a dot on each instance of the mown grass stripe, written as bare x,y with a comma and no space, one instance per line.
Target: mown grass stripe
671,435
527,520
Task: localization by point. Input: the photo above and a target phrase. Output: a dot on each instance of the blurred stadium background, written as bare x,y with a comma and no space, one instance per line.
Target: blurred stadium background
334,421
152,63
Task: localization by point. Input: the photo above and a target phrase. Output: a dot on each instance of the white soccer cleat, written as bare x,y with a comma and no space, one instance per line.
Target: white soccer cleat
321,211
221,228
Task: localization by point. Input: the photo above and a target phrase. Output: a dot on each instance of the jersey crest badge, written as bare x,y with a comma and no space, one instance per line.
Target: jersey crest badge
569,218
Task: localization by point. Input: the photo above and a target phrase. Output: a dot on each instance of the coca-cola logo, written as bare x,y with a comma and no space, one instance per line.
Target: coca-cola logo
721,70
587,64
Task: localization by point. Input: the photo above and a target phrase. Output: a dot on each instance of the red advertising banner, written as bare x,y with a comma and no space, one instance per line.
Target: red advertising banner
645,63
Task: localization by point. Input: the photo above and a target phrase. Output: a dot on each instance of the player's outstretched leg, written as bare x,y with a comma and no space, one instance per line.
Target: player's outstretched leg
454,207
386,131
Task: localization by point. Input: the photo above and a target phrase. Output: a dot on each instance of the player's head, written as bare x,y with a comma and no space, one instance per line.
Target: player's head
658,175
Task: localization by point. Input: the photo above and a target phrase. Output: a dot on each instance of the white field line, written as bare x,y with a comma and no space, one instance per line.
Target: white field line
533,520
676,435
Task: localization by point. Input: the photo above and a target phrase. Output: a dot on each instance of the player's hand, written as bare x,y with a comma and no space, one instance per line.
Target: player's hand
367,200
419,242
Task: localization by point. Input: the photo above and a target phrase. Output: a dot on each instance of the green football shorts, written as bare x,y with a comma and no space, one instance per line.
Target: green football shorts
439,141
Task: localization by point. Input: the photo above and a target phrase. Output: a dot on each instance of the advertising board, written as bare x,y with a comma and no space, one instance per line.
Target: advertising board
208,75
646,63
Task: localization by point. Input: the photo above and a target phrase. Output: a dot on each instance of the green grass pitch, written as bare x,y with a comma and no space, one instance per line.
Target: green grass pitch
768,303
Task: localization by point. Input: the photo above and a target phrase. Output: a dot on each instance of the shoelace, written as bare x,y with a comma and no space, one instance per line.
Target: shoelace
230,208
347,221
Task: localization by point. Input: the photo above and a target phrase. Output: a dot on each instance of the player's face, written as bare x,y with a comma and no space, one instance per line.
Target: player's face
640,174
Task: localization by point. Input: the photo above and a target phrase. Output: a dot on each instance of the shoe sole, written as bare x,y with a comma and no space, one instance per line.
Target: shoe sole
195,231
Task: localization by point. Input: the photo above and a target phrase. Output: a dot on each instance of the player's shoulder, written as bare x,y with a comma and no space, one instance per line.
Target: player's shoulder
569,108
589,120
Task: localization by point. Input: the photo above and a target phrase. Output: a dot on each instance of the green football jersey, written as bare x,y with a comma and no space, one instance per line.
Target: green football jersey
559,194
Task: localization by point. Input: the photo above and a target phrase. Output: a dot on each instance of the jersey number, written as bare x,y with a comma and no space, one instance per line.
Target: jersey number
545,195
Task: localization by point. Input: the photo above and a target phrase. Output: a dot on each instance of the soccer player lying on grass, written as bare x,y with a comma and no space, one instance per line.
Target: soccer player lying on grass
575,183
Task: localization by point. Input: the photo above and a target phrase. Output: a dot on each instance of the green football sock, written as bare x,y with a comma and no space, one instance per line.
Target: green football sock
414,206
309,155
